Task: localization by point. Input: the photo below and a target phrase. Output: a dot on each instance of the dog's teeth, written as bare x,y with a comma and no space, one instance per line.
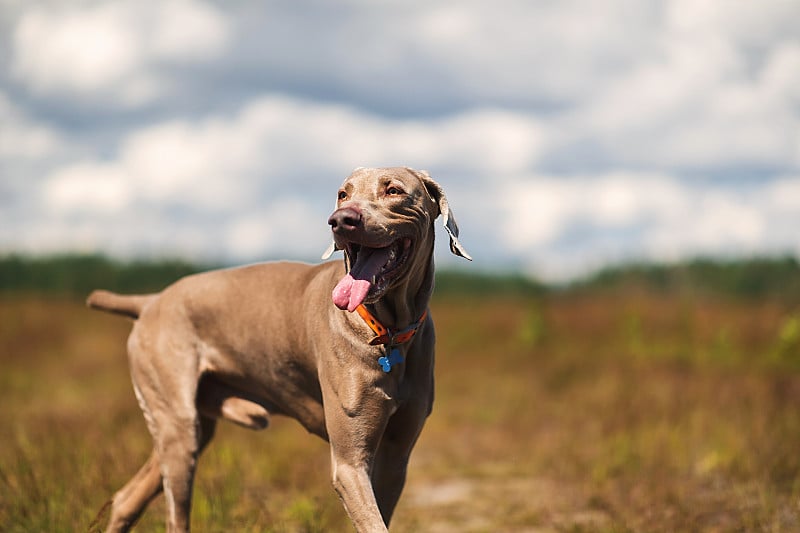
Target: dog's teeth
373,280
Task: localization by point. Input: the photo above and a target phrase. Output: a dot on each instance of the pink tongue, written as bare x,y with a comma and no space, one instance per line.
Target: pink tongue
349,293
351,290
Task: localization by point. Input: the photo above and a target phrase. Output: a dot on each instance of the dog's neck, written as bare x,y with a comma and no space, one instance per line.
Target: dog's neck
404,304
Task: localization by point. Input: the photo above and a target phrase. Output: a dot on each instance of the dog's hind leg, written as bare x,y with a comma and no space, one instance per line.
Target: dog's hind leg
130,501
165,381
179,440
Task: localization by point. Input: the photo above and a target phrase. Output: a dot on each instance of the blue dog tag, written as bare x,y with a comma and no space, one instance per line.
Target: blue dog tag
392,358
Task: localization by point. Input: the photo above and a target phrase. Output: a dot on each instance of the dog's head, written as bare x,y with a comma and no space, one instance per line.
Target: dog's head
384,223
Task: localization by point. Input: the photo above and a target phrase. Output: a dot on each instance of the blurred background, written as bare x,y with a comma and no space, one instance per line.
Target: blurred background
569,135
622,355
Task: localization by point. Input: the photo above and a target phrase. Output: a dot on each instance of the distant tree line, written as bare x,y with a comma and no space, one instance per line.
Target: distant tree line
77,275
759,277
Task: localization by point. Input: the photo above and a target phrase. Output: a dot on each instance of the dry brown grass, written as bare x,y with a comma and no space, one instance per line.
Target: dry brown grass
605,412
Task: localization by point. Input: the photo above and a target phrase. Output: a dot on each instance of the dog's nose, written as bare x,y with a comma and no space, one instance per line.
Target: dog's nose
345,219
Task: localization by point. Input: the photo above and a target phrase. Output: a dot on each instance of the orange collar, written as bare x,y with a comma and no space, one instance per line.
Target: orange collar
386,336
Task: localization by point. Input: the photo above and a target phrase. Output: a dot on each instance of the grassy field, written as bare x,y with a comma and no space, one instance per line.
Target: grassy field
602,411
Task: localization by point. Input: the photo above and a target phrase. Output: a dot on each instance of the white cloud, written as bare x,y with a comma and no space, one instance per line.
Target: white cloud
568,134
231,166
563,227
285,130
175,163
751,24
710,221
287,226
251,234
783,195
112,50
530,52
188,31
87,187
540,210
715,85
206,164
23,138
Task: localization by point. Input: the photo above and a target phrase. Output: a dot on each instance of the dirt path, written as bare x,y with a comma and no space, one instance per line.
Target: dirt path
497,505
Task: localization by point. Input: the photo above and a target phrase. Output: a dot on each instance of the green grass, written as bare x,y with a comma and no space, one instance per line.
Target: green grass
612,411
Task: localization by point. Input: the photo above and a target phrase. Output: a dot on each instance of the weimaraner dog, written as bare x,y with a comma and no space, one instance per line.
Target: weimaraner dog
344,347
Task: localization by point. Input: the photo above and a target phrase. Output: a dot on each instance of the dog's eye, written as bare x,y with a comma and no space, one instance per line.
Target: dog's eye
394,191
342,195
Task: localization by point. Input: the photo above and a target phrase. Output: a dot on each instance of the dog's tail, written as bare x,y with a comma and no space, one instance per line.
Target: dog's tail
121,304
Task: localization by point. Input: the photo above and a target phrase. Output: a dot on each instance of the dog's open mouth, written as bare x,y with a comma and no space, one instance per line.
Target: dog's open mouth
371,273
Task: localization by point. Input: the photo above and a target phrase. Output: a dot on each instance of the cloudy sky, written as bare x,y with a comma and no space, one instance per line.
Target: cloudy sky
567,134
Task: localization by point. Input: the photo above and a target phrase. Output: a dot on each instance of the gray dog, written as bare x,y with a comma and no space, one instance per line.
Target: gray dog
346,348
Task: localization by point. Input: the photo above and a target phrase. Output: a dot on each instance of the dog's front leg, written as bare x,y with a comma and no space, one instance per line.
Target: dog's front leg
355,420
352,482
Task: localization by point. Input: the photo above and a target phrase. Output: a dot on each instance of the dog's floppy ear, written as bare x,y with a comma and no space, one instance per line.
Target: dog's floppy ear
438,196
